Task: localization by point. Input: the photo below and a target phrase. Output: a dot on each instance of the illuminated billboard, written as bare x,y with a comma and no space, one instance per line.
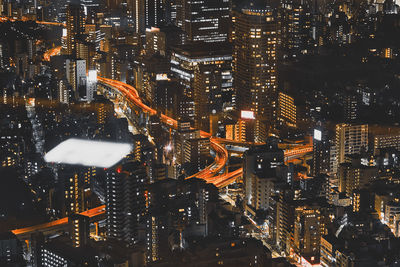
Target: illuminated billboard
247,114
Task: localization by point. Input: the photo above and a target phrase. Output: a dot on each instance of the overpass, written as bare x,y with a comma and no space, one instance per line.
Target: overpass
94,214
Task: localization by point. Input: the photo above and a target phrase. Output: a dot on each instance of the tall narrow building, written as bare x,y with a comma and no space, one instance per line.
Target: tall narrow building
254,61
75,26
125,201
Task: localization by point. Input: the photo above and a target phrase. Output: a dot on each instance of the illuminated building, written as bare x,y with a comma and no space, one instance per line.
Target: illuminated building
284,219
91,85
295,27
204,20
353,176
187,58
63,92
76,76
350,140
125,201
71,189
146,14
254,61
307,233
11,253
79,230
321,152
249,129
392,217
104,110
155,41
286,110
75,26
386,141
212,89
351,106
176,206
190,147
263,158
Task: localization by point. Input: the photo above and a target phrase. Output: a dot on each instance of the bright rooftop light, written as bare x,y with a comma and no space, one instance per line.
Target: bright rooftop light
88,153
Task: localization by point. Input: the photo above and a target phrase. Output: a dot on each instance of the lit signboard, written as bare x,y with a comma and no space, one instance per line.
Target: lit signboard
317,135
246,114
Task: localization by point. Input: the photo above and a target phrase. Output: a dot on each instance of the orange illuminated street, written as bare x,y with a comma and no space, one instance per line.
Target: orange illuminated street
90,213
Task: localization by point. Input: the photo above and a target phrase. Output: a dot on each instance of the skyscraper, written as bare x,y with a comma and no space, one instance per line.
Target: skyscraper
75,26
146,14
254,61
204,20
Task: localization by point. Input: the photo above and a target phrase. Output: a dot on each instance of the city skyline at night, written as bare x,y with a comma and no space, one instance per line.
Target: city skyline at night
205,133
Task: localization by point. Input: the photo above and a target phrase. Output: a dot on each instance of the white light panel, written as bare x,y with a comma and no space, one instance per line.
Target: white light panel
88,153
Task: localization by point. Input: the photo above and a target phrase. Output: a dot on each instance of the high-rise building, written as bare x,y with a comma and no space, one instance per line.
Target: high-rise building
350,139
75,26
254,61
79,230
125,201
262,158
351,106
204,20
63,91
286,113
321,152
147,14
212,89
307,233
76,76
186,59
296,21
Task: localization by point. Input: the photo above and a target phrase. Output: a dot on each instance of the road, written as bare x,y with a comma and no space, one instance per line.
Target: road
90,213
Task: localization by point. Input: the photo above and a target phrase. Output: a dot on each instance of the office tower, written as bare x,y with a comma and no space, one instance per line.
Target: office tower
307,233
75,26
205,72
79,230
262,158
254,61
125,201
204,21
76,76
186,59
147,14
321,152
212,89
350,139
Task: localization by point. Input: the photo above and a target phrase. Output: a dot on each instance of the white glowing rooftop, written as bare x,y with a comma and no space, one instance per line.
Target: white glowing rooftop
88,153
